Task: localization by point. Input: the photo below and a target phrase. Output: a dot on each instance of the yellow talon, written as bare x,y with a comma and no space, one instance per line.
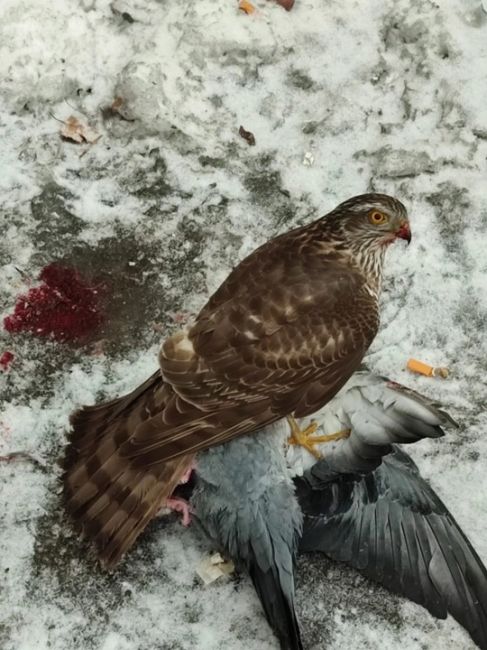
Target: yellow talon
305,437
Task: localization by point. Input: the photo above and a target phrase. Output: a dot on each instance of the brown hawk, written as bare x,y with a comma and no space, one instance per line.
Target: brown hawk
280,337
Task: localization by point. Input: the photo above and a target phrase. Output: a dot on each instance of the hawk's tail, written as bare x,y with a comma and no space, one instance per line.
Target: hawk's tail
111,500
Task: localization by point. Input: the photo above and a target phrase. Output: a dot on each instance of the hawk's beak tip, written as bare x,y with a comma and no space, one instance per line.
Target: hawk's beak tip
404,232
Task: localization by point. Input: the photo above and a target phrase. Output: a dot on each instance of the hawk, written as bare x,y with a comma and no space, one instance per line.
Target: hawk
280,337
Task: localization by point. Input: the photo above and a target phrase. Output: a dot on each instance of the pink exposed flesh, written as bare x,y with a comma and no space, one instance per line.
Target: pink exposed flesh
182,506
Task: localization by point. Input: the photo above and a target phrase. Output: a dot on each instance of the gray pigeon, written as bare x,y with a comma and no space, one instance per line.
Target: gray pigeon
363,503
245,501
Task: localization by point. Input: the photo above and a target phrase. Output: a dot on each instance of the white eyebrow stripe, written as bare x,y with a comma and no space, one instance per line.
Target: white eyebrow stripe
368,206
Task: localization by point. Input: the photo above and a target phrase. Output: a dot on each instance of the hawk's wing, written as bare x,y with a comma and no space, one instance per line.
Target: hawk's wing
279,337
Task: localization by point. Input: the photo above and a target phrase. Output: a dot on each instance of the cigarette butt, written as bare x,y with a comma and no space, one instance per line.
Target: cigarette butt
441,372
246,6
418,366
424,369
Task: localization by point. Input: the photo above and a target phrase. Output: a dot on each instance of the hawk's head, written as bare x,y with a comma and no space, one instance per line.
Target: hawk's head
372,219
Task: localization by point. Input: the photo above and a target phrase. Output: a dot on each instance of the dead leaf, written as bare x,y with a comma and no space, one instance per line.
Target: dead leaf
248,136
287,4
246,7
76,131
117,104
117,109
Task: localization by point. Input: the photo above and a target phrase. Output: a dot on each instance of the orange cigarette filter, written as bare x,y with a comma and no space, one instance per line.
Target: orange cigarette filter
424,369
246,6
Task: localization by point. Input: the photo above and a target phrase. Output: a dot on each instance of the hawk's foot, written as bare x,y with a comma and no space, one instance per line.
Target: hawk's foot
305,438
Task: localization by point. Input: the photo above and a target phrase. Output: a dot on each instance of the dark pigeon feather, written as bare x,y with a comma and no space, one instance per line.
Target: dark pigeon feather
391,525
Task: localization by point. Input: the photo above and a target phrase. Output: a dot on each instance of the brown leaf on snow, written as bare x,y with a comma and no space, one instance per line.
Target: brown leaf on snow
117,104
287,4
117,109
246,7
247,135
75,131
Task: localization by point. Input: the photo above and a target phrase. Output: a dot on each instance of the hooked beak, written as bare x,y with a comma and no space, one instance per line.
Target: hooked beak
404,232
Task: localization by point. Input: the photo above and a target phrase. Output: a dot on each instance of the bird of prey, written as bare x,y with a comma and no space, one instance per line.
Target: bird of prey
280,337
364,503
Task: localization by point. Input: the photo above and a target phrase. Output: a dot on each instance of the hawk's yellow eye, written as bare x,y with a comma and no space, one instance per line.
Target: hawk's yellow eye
377,218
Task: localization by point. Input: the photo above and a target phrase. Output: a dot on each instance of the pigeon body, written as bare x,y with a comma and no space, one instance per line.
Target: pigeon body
245,502
363,503
281,336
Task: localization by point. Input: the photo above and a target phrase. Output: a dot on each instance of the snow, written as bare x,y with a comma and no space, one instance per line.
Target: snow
385,96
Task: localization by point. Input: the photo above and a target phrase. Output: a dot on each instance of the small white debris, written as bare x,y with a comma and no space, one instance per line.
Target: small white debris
127,588
308,159
214,567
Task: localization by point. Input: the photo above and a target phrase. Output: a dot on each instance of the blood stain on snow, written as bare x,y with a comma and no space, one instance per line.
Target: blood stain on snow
65,307
6,359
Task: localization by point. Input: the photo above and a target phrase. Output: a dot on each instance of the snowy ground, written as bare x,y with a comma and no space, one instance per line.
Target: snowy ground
343,97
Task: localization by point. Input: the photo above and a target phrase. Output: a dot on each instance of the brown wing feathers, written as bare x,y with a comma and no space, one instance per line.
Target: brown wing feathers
277,337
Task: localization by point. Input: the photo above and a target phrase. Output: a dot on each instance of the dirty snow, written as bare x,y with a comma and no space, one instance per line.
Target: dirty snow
342,98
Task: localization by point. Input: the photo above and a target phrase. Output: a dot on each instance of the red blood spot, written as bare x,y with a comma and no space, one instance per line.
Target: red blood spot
5,360
64,307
